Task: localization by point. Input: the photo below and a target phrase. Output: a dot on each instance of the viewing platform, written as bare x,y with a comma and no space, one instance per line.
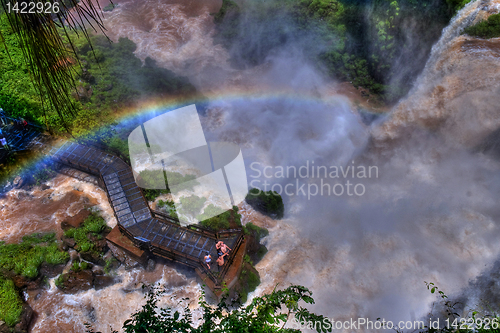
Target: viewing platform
150,231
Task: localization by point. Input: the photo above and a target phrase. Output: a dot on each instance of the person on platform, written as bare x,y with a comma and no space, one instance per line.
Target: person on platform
220,260
208,260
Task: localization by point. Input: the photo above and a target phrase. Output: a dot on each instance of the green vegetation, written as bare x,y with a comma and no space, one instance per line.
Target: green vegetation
85,235
249,280
26,258
109,78
366,43
268,313
485,29
169,207
156,178
11,304
78,266
220,219
257,231
109,265
269,203
191,205
109,7
455,5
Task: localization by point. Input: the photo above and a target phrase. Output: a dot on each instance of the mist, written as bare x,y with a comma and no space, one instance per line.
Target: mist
430,215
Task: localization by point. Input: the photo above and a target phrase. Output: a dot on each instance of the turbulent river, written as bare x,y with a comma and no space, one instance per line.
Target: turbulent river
429,214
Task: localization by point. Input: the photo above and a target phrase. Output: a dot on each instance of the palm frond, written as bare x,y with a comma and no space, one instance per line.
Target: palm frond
48,56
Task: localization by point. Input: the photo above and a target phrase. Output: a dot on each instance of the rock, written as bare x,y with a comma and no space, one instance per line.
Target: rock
51,270
70,242
4,328
44,187
22,282
151,265
74,282
93,257
18,182
76,220
25,320
122,257
103,281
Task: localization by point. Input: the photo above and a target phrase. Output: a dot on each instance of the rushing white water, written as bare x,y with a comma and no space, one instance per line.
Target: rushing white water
431,214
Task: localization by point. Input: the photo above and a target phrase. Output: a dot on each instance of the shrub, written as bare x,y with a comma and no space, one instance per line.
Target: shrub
485,29
11,305
94,225
269,203
217,222
192,205
26,257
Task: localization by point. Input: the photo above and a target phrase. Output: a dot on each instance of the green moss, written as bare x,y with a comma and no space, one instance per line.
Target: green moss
11,305
93,227
249,280
78,266
109,7
25,258
269,202
258,232
154,178
191,205
485,29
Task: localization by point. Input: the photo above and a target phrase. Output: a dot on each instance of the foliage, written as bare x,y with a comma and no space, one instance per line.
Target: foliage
474,322
26,257
485,29
219,219
366,43
156,178
191,205
92,228
169,206
257,231
268,313
249,280
269,202
46,49
78,266
11,305
109,7
455,5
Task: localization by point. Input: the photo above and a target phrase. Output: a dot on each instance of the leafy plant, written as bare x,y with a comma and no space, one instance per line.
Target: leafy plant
11,305
269,203
93,227
485,29
268,313
26,257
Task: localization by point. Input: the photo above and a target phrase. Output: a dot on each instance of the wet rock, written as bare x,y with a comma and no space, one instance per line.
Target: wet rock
23,282
122,257
93,257
76,220
151,265
18,182
51,270
103,281
4,328
44,187
25,320
70,242
74,282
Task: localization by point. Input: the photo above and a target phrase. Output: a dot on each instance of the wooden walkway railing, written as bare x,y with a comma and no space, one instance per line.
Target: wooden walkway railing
152,230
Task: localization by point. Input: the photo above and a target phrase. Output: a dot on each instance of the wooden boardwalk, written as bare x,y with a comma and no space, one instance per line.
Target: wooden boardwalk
152,231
